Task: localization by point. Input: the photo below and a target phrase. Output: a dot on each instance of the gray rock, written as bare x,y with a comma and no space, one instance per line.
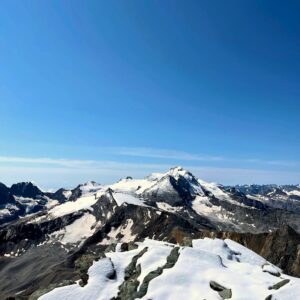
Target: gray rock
279,284
224,292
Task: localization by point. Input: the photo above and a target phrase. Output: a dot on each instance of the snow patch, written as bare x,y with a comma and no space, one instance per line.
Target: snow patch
76,232
126,198
69,207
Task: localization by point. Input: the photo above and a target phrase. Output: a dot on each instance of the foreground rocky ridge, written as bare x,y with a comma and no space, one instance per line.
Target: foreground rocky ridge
57,243
210,268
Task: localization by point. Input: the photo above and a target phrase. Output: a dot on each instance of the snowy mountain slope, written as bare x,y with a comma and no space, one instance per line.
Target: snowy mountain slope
210,269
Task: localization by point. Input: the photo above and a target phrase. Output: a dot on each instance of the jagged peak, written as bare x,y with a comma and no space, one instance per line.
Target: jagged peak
24,185
175,172
90,183
178,170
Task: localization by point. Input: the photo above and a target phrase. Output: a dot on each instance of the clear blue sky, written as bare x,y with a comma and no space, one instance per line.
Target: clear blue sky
106,88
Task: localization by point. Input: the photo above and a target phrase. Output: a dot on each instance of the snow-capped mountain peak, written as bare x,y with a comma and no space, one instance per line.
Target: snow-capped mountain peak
178,171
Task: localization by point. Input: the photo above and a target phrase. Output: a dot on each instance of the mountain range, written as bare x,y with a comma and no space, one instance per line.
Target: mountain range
136,237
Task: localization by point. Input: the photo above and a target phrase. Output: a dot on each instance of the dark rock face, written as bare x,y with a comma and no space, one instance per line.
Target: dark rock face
76,193
58,195
171,196
26,190
5,196
282,248
105,207
183,186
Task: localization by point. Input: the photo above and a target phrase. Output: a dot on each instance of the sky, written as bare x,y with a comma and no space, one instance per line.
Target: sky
98,90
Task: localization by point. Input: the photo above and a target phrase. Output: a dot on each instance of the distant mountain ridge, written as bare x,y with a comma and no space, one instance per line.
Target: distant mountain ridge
177,188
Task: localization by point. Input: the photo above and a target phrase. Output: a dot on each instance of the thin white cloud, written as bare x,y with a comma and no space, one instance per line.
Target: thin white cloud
45,160
231,176
55,173
68,163
186,156
163,153
167,155
281,163
59,172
